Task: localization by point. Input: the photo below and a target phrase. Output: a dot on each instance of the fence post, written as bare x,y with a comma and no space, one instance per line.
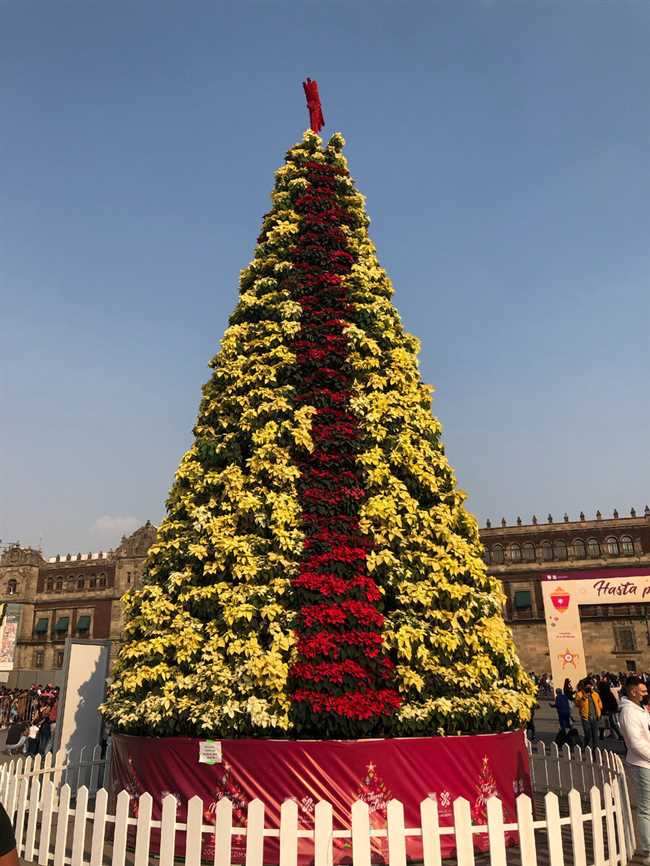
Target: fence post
20,813
526,829
323,855
590,761
496,833
13,789
223,833
99,829
105,780
121,828
62,826
289,833
542,751
555,757
463,832
32,818
194,832
566,754
167,831
531,762
612,850
93,782
629,822
59,764
620,824
577,753
79,832
47,797
360,834
143,832
430,832
554,830
577,829
395,831
597,827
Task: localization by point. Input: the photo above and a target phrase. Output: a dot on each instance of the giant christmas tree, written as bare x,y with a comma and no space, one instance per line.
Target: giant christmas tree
317,574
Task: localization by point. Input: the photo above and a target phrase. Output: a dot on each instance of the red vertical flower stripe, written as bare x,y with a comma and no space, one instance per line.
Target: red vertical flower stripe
341,684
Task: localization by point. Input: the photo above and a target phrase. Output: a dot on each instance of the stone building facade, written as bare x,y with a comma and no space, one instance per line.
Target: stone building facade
79,595
616,637
74,595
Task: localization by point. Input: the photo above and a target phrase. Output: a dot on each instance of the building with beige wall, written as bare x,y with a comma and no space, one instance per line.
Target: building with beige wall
77,595
70,595
617,636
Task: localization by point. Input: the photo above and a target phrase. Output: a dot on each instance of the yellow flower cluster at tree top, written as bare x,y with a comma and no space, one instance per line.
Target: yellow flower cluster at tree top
209,637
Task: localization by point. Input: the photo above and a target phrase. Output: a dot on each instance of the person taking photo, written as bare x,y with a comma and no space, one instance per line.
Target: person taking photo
588,702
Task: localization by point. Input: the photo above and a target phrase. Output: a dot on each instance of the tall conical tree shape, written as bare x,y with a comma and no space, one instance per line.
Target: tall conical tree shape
316,574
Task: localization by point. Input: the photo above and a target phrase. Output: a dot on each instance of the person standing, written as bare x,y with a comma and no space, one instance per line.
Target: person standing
634,722
591,709
610,708
44,733
33,737
563,707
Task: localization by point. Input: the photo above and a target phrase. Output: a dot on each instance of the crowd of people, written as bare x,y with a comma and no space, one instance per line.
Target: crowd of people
618,705
595,701
30,716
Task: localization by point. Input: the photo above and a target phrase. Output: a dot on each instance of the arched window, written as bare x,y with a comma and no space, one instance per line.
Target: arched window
497,553
486,560
528,552
12,587
102,580
547,550
59,585
515,553
50,585
559,550
80,583
612,545
579,550
627,545
593,548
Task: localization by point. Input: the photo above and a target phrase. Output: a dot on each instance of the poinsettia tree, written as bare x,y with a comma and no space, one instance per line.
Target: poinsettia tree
317,573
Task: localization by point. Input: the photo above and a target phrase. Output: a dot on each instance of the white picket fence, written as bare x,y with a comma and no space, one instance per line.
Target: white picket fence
57,823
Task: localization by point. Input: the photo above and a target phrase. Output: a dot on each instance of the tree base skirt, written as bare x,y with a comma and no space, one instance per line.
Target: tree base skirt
339,771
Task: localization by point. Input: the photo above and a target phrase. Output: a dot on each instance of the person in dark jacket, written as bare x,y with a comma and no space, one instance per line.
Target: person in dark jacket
568,689
610,708
563,707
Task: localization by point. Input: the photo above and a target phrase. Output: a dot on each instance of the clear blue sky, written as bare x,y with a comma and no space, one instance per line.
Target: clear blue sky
504,151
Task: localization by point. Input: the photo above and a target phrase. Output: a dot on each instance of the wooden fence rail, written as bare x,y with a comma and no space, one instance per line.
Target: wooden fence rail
57,823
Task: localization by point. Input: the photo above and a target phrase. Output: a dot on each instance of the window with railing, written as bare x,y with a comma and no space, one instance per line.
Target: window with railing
497,553
579,550
624,638
560,550
523,604
528,552
611,545
593,548
627,545
515,553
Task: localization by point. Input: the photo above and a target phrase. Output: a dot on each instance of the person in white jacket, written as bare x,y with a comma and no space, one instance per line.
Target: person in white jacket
634,721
